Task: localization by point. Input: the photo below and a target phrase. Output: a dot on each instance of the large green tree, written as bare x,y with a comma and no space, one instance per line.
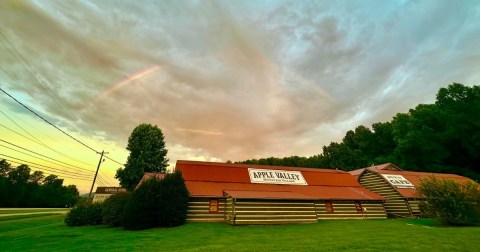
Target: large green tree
147,154
439,137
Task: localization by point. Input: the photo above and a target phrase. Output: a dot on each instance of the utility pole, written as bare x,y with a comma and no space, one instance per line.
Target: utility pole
98,167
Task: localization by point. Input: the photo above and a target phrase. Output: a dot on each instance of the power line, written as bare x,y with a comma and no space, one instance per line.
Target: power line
41,117
38,141
108,178
48,167
80,168
18,125
20,134
113,160
57,127
36,157
36,76
41,169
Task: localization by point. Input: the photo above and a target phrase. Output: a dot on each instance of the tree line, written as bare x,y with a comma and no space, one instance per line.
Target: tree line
442,137
19,187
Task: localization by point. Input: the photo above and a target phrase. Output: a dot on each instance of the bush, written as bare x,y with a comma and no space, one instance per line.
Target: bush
450,202
157,203
142,210
174,203
84,213
113,208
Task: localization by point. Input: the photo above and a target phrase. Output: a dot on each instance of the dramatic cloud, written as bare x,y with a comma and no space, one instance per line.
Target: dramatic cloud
231,80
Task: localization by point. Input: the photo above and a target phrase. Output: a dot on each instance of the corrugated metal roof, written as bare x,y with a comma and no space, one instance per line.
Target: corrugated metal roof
216,189
148,175
209,179
238,173
387,166
415,177
267,195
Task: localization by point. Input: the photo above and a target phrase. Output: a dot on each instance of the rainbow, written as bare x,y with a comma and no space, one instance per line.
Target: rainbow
126,81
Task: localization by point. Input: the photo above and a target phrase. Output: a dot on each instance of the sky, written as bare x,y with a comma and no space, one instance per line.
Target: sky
224,80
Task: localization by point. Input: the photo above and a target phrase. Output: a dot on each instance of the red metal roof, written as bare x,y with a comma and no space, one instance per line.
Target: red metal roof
387,166
415,177
215,189
148,175
212,179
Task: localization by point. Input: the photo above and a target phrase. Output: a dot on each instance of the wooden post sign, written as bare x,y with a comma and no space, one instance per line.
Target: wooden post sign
265,176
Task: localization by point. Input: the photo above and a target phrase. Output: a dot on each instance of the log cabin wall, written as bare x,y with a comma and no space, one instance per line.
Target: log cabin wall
350,210
395,204
199,210
256,211
229,210
414,207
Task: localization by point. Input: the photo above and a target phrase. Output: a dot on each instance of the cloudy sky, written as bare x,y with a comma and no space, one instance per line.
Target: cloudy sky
224,80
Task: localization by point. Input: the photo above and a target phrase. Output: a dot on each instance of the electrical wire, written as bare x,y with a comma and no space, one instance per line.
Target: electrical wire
41,169
46,146
82,172
17,146
48,167
113,160
41,117
56,126
36,76
108,178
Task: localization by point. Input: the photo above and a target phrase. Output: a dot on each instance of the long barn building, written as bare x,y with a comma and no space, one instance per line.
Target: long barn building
398,187
252,194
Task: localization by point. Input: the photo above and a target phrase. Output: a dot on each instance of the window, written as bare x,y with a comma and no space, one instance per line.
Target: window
329,207
358,206
213,206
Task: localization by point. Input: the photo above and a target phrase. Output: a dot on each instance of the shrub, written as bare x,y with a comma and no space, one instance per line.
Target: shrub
157,203
84,213
142,209
174,205
450,202
113,208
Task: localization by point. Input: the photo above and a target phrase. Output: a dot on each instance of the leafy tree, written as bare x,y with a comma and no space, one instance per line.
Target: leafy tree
450,202
22,189
20,174
440,137
147,154
5,168
52,181
36,177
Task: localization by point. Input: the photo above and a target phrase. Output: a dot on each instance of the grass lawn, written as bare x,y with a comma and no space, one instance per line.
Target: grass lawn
33,210
48,233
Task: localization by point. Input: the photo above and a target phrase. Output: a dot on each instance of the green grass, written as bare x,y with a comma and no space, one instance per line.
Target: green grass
48,233
33,210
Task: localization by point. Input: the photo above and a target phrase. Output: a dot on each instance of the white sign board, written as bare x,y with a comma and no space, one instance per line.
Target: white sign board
398,181
265,176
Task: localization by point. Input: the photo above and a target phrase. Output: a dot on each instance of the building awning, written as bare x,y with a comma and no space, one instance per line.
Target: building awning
213,189
268,195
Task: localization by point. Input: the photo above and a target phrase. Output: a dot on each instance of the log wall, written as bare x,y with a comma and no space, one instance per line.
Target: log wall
252,212
198,210
413,204
395,204
348,210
